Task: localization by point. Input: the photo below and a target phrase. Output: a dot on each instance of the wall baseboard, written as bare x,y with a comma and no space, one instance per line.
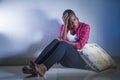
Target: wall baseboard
15,61
25,61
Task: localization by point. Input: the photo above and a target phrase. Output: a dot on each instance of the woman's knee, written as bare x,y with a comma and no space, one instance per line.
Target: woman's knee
63,43
55,40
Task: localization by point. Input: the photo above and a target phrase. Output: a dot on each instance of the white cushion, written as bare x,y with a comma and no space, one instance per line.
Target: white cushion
96,57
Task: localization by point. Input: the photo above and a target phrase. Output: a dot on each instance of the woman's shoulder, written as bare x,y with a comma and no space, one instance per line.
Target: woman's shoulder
84,26
61,25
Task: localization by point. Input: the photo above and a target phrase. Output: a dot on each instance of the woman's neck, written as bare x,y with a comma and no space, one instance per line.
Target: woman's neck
72,32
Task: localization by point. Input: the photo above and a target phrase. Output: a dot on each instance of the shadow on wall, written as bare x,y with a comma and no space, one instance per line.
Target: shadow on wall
49,29
39,24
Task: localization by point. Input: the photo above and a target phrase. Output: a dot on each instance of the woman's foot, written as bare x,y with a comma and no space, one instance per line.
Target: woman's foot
40,69
28,70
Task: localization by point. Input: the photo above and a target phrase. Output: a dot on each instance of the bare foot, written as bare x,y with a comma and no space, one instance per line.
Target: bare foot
40,69
28,70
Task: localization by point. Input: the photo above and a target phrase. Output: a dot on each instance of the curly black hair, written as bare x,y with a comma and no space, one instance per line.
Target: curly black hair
69,11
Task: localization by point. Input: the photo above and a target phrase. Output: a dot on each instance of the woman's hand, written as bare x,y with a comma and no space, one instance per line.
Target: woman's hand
65,19
71,43
60,39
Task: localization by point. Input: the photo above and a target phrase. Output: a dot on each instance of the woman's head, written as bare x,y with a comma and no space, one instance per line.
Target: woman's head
73,20
69,12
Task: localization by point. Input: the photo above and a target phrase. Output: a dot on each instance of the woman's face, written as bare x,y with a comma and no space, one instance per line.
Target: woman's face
73,21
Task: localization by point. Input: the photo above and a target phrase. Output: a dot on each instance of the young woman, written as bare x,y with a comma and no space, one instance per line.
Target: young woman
73,35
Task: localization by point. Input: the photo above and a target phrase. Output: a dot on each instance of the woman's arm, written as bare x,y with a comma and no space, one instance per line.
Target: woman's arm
71,43
83,36
64,33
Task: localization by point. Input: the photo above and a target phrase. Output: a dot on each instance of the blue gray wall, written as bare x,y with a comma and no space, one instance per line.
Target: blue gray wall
27,26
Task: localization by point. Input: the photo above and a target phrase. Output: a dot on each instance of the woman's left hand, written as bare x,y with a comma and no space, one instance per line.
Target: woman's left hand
60,39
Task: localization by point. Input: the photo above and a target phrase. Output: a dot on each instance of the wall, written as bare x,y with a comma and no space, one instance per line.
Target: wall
27,26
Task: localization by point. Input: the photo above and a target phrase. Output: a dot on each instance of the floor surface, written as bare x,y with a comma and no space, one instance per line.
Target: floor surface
60,73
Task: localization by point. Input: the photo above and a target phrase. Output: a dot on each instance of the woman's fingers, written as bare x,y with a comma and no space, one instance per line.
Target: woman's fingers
65,17
33,64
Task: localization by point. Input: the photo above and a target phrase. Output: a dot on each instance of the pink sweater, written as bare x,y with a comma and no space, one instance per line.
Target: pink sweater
82,33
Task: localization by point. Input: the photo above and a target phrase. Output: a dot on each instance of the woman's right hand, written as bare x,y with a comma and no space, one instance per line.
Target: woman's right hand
65,19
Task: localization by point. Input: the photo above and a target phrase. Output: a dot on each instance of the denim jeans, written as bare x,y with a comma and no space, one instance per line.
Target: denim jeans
60,51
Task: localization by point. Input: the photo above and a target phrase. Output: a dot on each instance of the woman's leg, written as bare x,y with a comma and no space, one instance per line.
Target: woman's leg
47,51
72,59
67,55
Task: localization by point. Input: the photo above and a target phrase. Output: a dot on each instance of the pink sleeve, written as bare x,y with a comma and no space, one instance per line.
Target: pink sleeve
83,36
60,31
60,34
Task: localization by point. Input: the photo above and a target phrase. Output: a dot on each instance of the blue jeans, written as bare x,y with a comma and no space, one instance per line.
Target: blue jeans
60,51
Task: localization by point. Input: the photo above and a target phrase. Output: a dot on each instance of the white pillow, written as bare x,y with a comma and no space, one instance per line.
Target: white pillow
96,57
